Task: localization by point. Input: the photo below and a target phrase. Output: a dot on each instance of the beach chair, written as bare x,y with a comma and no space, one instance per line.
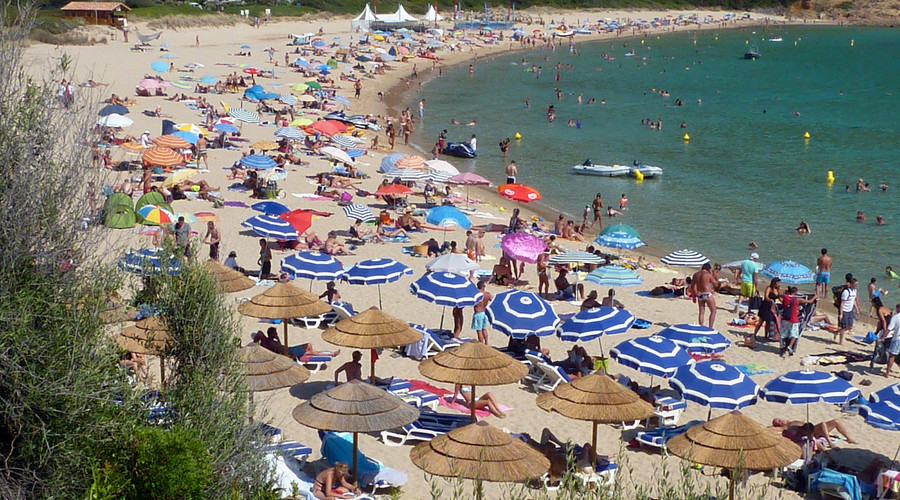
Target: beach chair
274,433
667,411
834,485
437,344
291,449
339,311
338,447
288,474
315,364
626,381
398,386
604,475
553,376
657,438
427,427
535,374
419,398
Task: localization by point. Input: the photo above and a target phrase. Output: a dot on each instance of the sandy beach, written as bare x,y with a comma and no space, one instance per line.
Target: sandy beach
121,68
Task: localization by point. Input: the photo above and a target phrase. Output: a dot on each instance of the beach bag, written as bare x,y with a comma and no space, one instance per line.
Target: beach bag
755,303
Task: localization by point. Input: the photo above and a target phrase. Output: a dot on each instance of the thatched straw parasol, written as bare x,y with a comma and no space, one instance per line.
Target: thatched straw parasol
371,329
147,336
228,280
267,371
283,301
598,399
480,452
355,407
473,363
734,441
116,312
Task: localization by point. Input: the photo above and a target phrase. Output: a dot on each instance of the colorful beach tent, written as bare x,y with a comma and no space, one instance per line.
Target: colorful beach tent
151,198
119,212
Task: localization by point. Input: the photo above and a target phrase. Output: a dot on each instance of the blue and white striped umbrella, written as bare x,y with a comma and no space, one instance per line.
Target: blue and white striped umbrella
447,216
439,176
289,133
575,257
696,338
359,212
149,261
408,174
188,136
258,162
715,384
808,386
243,115
619,240
375,272
883,410
341,99
684,258
288,99
446,289
654,355
225,127
520,314
270,208
594,323
313,266
268,226
343,141
789,272
614,275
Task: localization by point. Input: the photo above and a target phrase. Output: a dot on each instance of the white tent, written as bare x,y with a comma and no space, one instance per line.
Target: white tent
362,21
401,16
432,15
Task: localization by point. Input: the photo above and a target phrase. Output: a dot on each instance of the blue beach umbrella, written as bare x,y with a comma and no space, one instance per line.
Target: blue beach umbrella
519,314
789,272
225,127
301,62
243,115
149,261
388,163
593,323
359,212
289,133
685,258
270,208
714,384
446,289
288,99
447,215
619,240
696,338
376,272
113,109
258,162
159,66
621,228
883,410
268,226
188,136
341,99
575,257
313,266
344,141
654,355
614,275
355,153
169,55
245,46
207,79
808,386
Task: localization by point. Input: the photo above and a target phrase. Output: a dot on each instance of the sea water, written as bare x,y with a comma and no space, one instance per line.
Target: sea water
746,174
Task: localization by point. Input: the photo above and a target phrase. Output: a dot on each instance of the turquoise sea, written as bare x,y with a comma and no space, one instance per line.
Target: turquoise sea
746,175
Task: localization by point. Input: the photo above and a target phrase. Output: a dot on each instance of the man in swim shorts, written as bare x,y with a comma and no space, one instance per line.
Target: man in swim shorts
823,274
703,287
749,272
479,319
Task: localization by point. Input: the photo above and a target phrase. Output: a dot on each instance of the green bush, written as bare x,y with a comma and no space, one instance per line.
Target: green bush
168,464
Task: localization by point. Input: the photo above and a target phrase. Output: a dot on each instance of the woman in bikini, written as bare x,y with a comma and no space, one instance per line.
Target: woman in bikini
767,313
332,483
485,401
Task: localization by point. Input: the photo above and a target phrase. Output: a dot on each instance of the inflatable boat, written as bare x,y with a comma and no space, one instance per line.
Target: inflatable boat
459,149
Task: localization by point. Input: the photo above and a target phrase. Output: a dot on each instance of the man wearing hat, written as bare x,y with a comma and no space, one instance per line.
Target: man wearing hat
749,272
145,139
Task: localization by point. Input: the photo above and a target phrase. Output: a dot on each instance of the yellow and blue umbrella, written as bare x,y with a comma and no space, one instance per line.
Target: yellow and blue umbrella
155,215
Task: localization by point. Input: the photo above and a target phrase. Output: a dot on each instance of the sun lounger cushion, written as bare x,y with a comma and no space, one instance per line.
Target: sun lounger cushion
659,437
338,447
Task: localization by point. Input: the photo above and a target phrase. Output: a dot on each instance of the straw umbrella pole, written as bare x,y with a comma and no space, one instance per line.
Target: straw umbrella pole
228,280
598,399
283,301
473,363
734,441
355,407
481,452
147,336
371,329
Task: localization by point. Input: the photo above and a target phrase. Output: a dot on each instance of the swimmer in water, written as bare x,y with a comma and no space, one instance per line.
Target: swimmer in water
879,220
803,228
454,121
883,186
472,123
889,271
860,217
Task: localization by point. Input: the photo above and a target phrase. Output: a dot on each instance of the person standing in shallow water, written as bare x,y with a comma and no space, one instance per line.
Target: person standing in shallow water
597,207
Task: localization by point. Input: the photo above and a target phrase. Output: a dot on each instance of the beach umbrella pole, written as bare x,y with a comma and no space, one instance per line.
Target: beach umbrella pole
372,366
162,371
443,310
285,336
379,298
594,445
355,453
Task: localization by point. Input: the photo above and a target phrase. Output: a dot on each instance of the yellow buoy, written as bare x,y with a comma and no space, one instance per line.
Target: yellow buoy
806,135
642,42
746,42
717,38
695,42
686,137
501,209
830,177
795,43
851,43
638,175
518,136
